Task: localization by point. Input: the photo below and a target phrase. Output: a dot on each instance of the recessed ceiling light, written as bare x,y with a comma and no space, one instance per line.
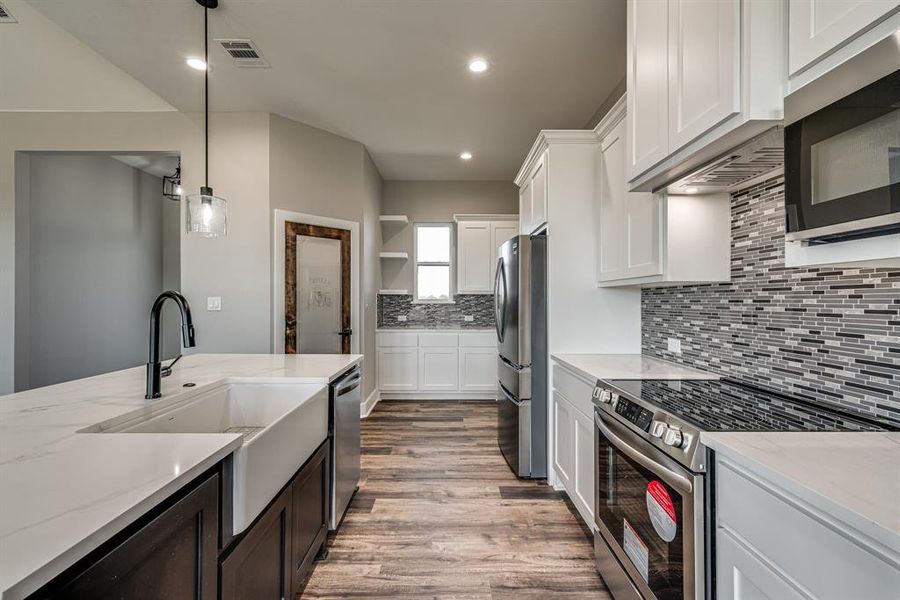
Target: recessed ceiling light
691,190
196,63
478,65
465,155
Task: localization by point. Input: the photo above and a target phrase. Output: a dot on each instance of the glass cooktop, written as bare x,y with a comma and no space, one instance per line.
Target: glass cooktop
727,405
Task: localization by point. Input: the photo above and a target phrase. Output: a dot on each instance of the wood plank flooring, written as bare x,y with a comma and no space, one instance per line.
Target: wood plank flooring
439,514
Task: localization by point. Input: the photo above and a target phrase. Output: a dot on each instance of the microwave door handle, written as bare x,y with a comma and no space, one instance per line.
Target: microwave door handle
676,480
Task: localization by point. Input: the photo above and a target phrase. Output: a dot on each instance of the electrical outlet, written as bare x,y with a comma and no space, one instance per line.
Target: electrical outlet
468,318
402,318
675,345
214,303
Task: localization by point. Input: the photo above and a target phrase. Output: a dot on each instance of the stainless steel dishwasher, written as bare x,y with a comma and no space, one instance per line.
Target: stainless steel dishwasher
345,397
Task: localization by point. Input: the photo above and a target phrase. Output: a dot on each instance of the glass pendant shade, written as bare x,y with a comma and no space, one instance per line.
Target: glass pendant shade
205,214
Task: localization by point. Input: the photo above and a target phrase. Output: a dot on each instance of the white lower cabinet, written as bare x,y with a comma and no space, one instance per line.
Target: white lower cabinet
563,440
771,543
398,369
437,364
573,440
438,369
477,369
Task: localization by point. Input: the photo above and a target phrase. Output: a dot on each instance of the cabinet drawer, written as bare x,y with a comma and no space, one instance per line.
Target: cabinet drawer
397,339
481,339
821,554
574,389
438,340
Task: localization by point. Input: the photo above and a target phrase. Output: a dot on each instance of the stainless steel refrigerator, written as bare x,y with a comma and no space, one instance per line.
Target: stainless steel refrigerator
520,296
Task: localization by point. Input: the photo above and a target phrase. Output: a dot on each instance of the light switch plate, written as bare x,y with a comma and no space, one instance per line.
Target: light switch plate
401,318
675,345
468,318
214,303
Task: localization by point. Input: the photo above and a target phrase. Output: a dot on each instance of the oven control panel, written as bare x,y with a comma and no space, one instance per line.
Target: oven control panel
634,413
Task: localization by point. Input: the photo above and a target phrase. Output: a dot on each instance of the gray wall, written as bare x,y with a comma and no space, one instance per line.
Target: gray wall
436,201
95,244
316,172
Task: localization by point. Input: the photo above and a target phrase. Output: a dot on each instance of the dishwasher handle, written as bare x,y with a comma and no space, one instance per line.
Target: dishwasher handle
348,384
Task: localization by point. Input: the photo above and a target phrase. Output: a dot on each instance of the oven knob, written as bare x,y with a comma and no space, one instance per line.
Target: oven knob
673,437
615,400
605,396
658,429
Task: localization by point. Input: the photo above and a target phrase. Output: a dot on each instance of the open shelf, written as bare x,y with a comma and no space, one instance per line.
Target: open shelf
394,292
394,219
394,255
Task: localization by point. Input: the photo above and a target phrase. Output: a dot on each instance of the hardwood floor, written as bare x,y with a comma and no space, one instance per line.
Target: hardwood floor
440,515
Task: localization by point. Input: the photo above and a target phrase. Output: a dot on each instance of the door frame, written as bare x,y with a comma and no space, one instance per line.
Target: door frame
284,216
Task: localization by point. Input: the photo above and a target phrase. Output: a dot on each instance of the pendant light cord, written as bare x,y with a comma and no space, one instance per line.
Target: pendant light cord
206,96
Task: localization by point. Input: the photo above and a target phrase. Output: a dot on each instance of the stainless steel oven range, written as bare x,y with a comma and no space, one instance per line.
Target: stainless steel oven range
654,481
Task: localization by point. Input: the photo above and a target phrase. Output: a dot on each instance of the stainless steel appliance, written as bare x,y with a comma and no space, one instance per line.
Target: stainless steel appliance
520,292
842,167
345,398
654,482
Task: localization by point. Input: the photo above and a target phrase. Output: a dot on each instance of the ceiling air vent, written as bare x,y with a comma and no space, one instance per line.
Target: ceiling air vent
244,52
6,16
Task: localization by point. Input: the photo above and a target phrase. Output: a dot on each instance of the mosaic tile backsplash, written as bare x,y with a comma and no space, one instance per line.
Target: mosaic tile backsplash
479,306
827,334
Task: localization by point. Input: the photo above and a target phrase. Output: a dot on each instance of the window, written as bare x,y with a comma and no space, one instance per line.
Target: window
433,262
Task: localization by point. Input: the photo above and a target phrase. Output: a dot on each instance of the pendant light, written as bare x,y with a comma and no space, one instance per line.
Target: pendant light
205,212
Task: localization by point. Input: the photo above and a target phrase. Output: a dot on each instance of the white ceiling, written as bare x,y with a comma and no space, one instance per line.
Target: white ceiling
388,73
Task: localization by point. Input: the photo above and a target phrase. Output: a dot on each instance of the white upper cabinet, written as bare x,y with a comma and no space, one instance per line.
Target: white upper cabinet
477,245
533,199
704,73
816,28
647,79
703,76
647,238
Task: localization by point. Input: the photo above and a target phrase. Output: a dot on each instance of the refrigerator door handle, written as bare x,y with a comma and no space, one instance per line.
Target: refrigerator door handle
509,396
500,300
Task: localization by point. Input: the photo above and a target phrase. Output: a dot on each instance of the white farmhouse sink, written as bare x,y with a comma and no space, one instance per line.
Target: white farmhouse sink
282,424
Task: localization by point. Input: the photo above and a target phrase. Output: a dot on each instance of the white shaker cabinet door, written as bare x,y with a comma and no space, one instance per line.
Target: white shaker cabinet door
398,369
477,369
539,195
525,220
647,81
742,576
818,27
584,466
564,441
501,232
475,257
612,196
438,369
704,66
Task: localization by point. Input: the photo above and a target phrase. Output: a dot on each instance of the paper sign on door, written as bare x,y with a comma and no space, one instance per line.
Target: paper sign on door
662,511
636,550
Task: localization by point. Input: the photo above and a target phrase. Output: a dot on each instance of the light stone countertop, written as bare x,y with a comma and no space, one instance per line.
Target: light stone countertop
854,477
420,329
64,493
627,366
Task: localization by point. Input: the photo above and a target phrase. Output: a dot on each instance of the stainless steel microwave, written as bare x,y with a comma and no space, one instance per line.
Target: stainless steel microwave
842,167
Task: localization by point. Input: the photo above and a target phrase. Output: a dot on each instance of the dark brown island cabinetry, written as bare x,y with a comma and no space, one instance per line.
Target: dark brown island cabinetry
173,553
273,559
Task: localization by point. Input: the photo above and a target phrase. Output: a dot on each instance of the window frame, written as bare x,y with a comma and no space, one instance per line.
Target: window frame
451,288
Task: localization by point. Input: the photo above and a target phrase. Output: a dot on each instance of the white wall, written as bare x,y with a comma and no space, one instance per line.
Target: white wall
436,201
93,263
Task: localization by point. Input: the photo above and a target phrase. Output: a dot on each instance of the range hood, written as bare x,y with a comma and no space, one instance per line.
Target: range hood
754,161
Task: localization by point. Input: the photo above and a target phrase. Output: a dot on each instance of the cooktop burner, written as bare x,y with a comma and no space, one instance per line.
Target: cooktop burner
726,405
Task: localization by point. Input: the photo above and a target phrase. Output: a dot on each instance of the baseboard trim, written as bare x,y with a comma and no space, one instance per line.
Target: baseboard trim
366,409
391,395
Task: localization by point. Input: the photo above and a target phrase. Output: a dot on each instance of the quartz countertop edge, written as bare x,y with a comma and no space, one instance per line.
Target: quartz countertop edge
852,477
65,493
627,366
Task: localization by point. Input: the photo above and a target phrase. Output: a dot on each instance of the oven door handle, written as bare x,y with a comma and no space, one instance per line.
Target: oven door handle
676,480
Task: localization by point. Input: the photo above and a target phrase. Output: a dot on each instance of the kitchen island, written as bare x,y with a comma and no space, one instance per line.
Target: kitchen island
65,492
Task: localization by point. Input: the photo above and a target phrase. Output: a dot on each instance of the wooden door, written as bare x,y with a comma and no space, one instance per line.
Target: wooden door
317,294
704,67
